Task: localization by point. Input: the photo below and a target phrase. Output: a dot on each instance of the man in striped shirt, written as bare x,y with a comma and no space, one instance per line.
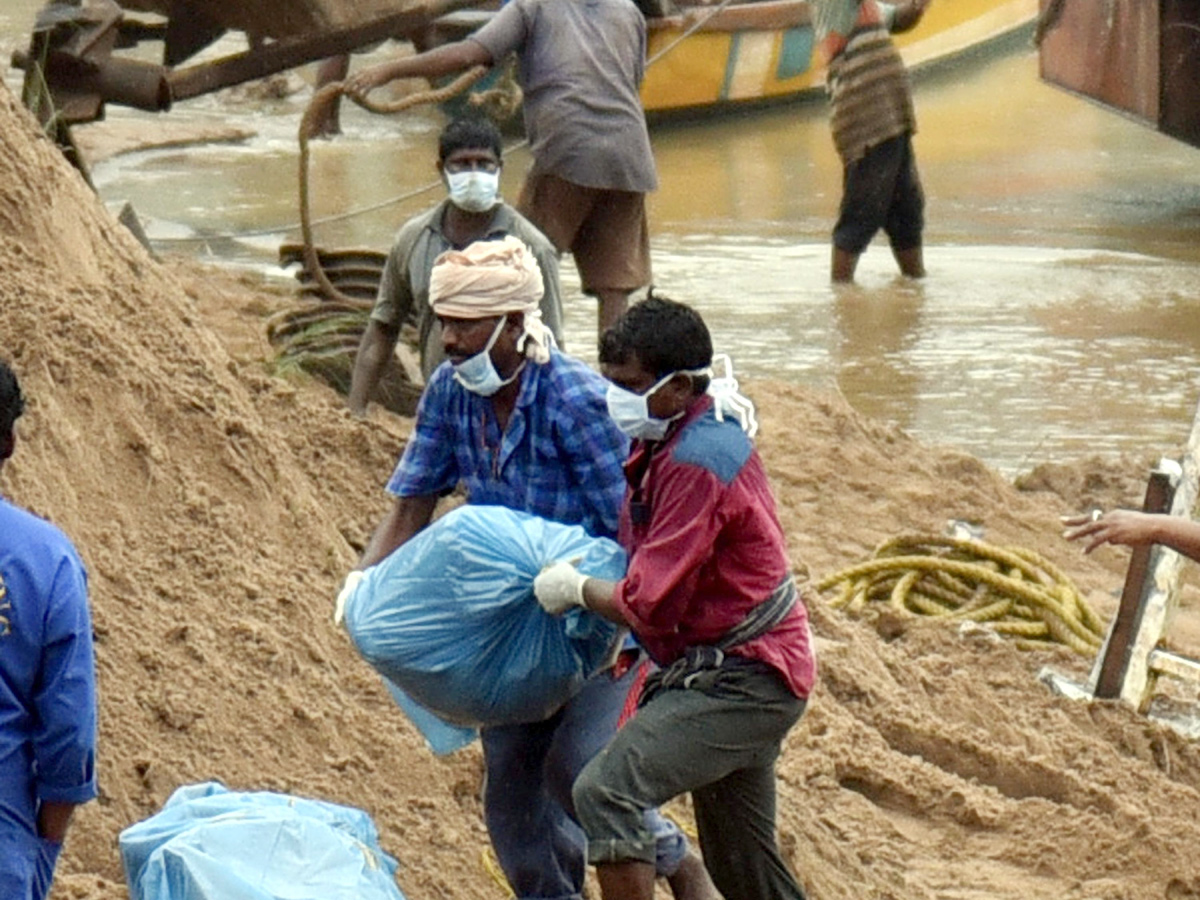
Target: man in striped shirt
873,125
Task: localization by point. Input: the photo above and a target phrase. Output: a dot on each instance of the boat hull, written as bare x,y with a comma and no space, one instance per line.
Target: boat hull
1135,57
764,52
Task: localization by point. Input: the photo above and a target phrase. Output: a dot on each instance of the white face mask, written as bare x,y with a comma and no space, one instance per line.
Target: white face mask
477,373
631,411
474,191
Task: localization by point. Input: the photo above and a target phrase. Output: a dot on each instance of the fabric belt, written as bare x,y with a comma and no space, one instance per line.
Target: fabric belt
763,617
695,660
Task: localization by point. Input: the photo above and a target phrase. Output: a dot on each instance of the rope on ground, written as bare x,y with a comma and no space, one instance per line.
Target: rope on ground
1016,591
318,334
308,129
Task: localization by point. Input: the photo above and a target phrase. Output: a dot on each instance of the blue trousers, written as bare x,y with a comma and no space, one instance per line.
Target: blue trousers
530,770
26,864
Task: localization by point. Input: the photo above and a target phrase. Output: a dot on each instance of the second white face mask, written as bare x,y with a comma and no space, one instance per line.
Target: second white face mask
474,191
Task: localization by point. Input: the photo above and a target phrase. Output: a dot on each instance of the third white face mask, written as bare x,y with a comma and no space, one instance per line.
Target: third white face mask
474,191
631,411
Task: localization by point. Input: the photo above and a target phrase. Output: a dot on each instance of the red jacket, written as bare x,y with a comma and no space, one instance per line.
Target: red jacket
705,547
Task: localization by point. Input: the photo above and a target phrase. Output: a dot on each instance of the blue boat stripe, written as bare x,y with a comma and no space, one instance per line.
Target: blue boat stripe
731,65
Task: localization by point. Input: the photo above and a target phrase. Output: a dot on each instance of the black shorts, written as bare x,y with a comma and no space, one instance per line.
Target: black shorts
881,189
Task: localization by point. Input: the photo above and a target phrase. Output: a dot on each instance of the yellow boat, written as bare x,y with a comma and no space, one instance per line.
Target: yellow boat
758,52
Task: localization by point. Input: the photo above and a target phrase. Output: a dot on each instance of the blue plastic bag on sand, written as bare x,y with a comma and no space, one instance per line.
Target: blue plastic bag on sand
449,619
209,843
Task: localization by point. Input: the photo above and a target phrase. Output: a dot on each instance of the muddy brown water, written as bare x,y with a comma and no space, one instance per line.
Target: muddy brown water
1060,315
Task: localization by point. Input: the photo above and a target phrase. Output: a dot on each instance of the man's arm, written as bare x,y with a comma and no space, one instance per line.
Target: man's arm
407,516
64,742
374,351
1135,529
598,597
444,60
908,14
53,819
561,586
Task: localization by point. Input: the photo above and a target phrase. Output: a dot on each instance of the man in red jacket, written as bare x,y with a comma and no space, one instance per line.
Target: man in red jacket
709,594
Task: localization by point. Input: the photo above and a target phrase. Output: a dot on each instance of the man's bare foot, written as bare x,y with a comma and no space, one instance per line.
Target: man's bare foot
691,880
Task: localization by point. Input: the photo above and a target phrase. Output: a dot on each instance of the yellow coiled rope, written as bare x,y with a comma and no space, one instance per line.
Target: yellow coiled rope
1016,591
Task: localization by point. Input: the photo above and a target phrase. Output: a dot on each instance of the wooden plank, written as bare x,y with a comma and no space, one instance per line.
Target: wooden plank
1113,662
1161,600
277,19
1164,663
203,78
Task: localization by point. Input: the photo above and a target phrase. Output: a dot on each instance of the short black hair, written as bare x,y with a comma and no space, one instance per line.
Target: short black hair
473,132
665,335
12,404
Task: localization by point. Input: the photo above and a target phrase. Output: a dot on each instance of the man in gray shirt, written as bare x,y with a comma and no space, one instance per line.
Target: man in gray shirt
581,63
469,162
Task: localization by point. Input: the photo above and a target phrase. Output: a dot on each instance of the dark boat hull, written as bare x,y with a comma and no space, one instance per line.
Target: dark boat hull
1139,57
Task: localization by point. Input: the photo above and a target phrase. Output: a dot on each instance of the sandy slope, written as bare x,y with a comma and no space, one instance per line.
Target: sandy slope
218,505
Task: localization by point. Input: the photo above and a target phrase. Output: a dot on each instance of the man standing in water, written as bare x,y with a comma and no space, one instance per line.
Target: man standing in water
581,64
709,594
873,124
521,425
469,164
47,684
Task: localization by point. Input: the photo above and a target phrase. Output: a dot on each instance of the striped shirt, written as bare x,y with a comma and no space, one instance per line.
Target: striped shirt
560,456
868,84
833,20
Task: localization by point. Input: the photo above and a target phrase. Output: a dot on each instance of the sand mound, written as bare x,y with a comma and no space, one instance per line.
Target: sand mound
217,507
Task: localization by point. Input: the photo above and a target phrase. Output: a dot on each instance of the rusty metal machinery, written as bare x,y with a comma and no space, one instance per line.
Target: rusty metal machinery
73,68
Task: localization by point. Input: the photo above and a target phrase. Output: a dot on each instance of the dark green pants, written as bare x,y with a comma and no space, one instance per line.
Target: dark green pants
717,738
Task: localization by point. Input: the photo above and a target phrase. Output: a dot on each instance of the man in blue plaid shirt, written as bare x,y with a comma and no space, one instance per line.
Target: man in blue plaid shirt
520,425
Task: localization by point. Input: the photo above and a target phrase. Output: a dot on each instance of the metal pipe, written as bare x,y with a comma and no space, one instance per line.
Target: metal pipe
194,81
115,80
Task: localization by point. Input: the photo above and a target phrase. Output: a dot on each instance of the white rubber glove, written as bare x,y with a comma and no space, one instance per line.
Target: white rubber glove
351,582
559,587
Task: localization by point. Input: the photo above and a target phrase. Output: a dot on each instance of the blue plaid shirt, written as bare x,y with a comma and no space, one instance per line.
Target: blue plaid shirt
560,457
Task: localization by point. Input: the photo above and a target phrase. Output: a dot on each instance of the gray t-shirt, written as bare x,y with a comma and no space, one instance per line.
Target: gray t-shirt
581,63
420,241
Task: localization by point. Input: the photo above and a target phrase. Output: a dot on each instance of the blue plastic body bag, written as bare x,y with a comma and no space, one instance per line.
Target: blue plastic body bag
208,843
450,618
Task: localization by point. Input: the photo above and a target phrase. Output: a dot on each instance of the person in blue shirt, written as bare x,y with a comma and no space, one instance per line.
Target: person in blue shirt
47,684
520,425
